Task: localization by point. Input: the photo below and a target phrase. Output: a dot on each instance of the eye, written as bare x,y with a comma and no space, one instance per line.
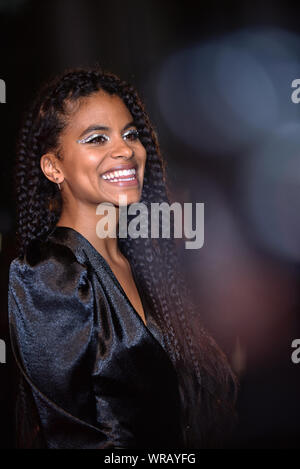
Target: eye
131,135
95,138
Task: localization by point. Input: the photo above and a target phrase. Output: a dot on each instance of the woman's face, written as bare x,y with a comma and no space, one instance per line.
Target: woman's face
99,140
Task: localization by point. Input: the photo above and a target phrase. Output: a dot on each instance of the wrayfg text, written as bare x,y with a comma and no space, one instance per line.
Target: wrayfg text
151,458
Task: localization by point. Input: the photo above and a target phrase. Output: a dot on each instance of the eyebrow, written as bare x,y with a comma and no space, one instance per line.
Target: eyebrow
94,127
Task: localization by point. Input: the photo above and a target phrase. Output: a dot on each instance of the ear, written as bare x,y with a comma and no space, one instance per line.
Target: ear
51,168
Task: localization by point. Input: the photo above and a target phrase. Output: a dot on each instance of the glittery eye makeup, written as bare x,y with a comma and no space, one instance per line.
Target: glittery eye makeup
92,138
131,135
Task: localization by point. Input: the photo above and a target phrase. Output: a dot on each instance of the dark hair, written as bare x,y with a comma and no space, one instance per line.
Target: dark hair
207,384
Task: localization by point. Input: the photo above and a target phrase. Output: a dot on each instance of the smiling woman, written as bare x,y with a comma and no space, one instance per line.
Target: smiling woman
101,140
110,351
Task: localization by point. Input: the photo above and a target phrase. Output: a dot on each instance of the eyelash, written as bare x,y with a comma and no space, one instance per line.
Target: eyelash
92,138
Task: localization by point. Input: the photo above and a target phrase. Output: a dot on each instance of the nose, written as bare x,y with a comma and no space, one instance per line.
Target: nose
121,149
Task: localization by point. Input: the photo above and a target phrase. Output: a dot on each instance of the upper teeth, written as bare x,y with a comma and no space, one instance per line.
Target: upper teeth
116,174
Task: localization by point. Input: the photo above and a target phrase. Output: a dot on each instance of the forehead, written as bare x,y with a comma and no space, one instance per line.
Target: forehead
99,108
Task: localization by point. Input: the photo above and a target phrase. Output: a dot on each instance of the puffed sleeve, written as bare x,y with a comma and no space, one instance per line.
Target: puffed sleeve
51,316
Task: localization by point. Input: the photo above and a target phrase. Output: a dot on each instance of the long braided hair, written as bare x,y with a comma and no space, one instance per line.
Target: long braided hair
206,382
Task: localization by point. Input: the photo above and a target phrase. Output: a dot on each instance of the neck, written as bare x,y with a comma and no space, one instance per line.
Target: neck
88,224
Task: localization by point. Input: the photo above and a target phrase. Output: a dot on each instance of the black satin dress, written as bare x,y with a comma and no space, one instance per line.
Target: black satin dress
99,377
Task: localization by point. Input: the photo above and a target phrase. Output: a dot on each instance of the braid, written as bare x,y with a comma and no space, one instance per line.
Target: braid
163,281
21,176
204,375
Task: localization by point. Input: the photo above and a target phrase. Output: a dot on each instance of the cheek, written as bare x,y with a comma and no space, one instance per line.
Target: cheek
142,156
144,161
92,159
83,164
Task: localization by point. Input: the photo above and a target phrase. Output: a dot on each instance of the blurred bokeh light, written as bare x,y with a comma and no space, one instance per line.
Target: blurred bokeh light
230,92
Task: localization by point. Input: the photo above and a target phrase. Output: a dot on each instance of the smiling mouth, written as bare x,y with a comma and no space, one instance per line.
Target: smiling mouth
121,176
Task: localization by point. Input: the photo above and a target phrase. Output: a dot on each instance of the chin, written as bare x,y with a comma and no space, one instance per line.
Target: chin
127,198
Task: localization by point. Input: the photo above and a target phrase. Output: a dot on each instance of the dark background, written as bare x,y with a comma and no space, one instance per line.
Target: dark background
216,79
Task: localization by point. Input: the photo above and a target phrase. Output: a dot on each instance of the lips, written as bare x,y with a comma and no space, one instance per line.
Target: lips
122,175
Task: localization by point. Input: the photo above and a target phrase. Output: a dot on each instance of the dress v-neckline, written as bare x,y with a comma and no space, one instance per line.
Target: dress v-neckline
150,324
113,276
